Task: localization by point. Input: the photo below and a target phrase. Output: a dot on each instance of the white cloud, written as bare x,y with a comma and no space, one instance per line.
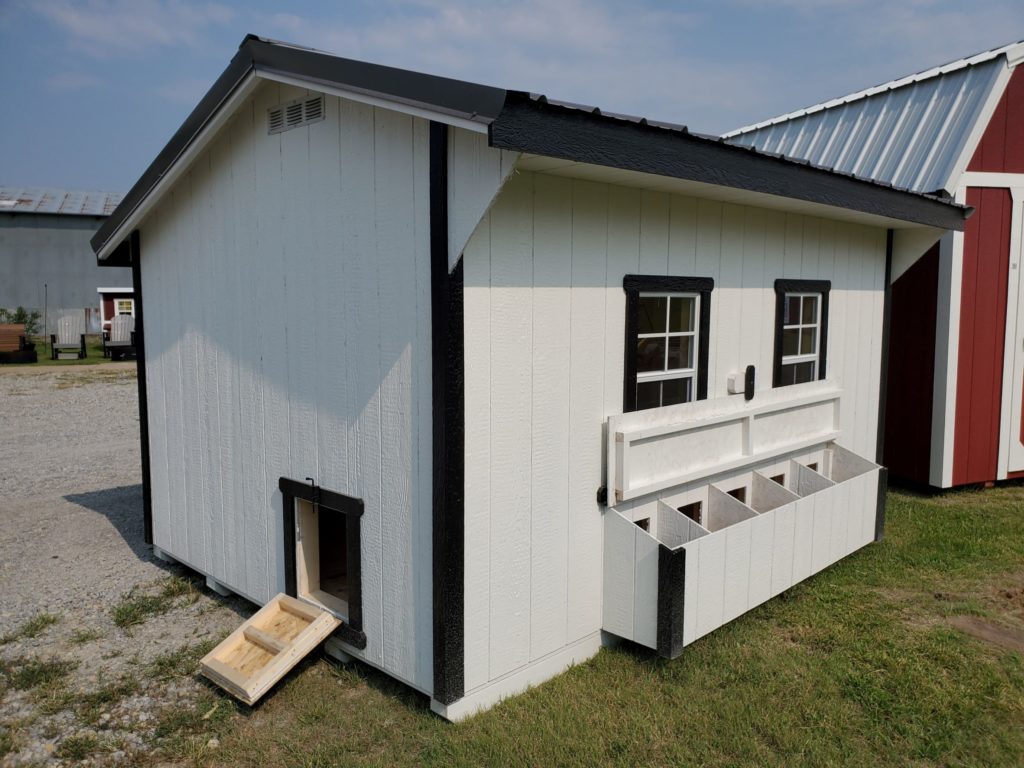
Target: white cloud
106,28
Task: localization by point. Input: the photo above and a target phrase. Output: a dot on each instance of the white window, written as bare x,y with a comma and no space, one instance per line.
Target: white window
801,338
124,306
666,349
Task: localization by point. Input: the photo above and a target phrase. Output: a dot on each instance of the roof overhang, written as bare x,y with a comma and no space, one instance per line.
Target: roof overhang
115,290
520,122
532,125
453,101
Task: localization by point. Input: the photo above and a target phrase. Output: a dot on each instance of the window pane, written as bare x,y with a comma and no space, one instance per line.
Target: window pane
810,313
652,314
676,391
650,354
807,340
648,395
791,341
802,372
680,352
791,314
681,313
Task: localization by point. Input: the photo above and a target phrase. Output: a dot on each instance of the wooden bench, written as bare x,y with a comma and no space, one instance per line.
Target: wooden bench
14,347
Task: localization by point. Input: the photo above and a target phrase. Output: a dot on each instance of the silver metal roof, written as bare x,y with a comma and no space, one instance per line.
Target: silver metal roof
908,132
68,202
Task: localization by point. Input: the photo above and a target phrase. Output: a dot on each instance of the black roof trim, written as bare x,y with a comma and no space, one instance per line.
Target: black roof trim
533,123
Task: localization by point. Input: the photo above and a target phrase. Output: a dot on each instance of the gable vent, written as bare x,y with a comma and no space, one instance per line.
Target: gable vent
294,114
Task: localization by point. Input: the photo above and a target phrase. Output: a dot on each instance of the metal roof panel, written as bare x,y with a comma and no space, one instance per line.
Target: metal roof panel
66,202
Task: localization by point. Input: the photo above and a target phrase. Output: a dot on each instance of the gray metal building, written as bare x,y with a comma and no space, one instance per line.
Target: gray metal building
45,258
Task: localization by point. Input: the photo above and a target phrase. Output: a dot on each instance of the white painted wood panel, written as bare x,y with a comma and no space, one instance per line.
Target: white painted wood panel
511,353
762,541
620,550
287,293
477,566
645,608
476,173
587,388
782,548
617,231
549,497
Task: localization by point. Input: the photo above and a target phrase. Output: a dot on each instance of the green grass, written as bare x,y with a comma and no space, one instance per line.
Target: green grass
181,662
93,352
31,628
26,674
856,666
6,743
136,606
83,636
78,747
89,706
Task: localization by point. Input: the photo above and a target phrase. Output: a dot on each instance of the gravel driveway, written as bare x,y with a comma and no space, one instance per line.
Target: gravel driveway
98,639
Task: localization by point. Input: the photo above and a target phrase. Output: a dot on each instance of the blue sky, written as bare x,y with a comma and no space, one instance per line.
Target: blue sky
94,88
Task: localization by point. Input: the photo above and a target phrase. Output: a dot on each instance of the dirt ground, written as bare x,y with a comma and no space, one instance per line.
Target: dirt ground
98,639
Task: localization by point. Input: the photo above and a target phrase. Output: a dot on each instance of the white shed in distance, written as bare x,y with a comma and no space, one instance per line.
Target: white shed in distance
536,377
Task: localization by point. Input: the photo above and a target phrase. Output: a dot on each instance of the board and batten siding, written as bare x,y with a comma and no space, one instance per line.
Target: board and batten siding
545,326
287,289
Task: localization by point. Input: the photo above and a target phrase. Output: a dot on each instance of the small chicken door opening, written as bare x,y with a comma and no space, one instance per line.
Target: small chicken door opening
322,556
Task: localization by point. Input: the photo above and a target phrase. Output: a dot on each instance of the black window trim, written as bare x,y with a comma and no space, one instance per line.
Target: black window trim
634,285
351,630
782,287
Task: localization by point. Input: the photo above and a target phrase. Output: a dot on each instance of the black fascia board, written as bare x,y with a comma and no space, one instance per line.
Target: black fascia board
445,95
529,124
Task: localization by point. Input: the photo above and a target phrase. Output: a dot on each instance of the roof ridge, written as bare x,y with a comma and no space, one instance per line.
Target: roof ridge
953,65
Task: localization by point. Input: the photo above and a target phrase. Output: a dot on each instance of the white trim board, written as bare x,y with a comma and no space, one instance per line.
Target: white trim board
947,349
375,101
1010,412
989,179
981,121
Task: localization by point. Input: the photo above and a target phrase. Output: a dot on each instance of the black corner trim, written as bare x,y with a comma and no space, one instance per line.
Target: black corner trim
633,285
119,257
671,600
448,364
782,287
883,488
134,242
352,509
883,376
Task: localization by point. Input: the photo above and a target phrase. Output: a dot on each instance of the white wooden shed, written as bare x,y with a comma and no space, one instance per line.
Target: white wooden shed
490,379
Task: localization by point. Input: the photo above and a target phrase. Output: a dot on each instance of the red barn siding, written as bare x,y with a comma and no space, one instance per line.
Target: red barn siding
1001,149
908,410
982,327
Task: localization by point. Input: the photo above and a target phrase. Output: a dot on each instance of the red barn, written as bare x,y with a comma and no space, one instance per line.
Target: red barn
956,363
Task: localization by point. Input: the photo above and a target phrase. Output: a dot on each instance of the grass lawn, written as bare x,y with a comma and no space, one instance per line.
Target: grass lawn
860,665
93,353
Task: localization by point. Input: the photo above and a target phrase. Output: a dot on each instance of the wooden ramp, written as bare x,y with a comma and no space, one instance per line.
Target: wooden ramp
261,651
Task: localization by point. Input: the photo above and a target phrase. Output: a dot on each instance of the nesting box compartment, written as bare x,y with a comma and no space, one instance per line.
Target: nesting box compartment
718,546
